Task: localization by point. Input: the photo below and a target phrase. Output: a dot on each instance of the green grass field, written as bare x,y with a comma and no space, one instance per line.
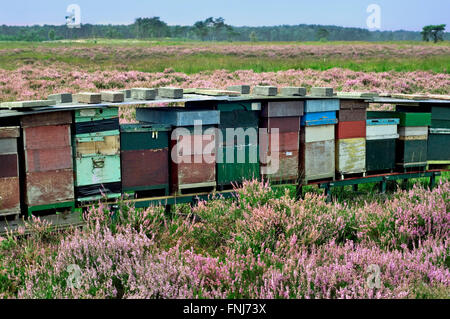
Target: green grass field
380,59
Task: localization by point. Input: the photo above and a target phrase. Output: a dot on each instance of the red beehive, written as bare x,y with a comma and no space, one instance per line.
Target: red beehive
353,129
48,159
286,168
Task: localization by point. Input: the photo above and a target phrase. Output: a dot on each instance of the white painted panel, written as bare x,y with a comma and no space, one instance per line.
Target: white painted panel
319,133
351,155
413,130
380,130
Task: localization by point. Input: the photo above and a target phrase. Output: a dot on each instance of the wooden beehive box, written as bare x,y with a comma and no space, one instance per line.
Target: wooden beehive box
9,172
96,149
350,156
48,160
352,110
237,153
178,116
193,163
321,105
439,145
351,129
282,109
381,144
440,114
144,157
411,152
319,118
283,165
317,153
406,118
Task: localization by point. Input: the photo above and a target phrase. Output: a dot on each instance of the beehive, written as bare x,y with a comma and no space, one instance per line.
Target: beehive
144,158
280,148
350,156
48,161
96,148
380,144
9,172
193,150
238,150
317,146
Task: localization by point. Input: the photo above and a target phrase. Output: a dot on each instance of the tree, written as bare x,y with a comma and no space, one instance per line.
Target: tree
253,37
434,32
51,35
322,34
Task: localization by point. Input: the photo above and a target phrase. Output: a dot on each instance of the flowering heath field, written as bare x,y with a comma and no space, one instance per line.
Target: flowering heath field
261,244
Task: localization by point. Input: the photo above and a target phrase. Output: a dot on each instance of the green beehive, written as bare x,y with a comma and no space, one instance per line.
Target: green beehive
242,162
439,145
96,149
406,118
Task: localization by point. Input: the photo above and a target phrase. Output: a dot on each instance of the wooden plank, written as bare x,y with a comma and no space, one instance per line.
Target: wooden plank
194,144
413,131
45,119
47,137
288,166
310,134
97,114
352,105
354,129
283,124
282,109
9,194
44,188
373,131
346,115
213,92
142,168
351,155
9,132
9,165
42,160
103,145
186,173
8,145
177,117
282,142
321,105
97,169
319,118
367,95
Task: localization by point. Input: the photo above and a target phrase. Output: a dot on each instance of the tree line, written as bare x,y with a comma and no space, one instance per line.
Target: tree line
215,29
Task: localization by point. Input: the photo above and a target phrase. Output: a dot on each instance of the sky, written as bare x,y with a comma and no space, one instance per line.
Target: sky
395,14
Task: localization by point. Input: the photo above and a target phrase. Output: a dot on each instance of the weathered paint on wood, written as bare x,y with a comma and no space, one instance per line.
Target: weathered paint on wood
352,115
192,174
44,188
317,133
194,144
89,115
353,104
375,131
177,116
285,141
45,119
411,153
353,129
319,118
413,131
351,155
9,132
282,109
283,124
97,169
439,146
244,164
317,160
8,165
101,145
42,160
235,106
406,118
380,154
46,137
10,195
143,137
288,166
143,168
321,105
238,118
8,145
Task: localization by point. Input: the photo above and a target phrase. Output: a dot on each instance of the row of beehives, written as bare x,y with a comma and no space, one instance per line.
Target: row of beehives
83,155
